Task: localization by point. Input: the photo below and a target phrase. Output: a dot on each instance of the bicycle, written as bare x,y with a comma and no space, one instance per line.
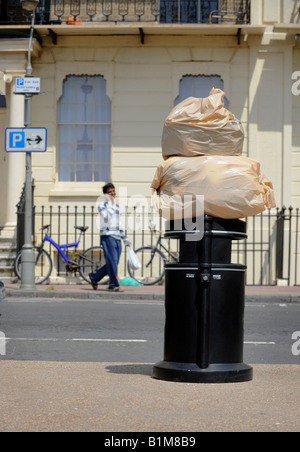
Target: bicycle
87,262
152,261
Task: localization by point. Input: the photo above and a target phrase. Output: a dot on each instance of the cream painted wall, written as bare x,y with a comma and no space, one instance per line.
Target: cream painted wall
273,11
3,168
295,162
270,111
143,82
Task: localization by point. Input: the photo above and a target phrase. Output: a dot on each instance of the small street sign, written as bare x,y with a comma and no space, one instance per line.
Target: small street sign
27,139
28,85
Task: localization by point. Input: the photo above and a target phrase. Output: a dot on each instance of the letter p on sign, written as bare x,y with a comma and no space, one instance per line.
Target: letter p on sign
17,140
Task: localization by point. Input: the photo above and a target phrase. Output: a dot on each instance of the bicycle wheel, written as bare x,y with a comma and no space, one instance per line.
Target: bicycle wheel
90,262
42,268
152,270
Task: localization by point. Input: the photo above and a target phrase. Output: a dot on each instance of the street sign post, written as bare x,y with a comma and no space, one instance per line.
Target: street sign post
28,258
28,85
27,139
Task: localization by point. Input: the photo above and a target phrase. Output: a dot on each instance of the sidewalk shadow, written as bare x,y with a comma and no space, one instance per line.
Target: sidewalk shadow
131,369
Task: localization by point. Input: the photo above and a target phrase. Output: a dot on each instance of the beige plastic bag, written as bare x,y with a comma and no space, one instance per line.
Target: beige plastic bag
233,186
201,127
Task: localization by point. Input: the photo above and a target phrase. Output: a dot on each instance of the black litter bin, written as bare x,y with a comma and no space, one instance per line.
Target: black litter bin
204,306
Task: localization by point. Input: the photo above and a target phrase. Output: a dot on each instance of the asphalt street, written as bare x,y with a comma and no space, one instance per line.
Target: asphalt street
129,331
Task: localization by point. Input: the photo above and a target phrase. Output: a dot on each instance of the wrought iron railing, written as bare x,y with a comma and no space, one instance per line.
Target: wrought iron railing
21,218
162,11
271,252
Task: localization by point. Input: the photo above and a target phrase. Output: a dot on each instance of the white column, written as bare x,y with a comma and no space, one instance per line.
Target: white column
287,140
256,12
15,164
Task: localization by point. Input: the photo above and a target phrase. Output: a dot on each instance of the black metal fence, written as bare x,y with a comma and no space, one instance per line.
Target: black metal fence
271,252
163,11
21,217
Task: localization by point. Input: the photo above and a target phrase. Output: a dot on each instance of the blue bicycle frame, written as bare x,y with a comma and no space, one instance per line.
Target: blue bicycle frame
61,248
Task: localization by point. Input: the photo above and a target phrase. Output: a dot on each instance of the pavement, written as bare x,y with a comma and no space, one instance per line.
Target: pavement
274,294
40,396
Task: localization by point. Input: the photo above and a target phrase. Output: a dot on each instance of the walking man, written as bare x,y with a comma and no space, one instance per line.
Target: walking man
111,234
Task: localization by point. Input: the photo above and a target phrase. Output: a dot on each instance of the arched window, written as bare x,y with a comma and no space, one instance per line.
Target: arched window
199,86
84,143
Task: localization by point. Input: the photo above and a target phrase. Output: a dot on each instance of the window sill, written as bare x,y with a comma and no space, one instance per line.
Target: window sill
76,190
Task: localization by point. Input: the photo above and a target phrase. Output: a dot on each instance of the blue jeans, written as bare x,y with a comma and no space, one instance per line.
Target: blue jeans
112,251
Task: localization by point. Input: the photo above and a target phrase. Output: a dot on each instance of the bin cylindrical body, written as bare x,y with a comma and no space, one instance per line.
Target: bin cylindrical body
204,306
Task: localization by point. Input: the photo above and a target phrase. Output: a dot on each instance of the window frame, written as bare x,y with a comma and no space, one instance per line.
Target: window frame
78,189
193,94
93,131
179,70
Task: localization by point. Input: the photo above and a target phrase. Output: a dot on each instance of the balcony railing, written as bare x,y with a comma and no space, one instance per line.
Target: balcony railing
97,11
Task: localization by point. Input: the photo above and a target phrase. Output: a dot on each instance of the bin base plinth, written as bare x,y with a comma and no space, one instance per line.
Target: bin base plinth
191,373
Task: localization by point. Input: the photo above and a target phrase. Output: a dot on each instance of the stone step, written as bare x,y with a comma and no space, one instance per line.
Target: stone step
8,279
6,243
6,268
7,275
5,247
7,257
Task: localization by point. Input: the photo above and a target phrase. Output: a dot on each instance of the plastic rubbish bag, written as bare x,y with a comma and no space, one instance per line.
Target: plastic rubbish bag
201,127
129,282
133,260
232,186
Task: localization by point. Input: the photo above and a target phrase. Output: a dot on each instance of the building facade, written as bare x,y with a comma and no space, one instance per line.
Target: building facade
111,72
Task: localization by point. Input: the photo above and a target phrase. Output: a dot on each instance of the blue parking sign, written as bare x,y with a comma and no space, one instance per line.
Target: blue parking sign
17,140
26,139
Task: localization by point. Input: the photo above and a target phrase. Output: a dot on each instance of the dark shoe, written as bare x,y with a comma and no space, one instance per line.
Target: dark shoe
114,289
93,283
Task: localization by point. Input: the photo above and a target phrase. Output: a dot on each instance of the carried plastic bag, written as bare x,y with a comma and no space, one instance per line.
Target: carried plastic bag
232,186
202,127
133,260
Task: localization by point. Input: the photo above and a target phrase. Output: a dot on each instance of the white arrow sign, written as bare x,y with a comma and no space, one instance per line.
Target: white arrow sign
27,139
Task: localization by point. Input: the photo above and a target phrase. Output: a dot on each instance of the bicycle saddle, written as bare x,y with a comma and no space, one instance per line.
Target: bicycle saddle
81,228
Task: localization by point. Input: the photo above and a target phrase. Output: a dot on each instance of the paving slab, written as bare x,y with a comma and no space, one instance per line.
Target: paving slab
117,397
271,294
